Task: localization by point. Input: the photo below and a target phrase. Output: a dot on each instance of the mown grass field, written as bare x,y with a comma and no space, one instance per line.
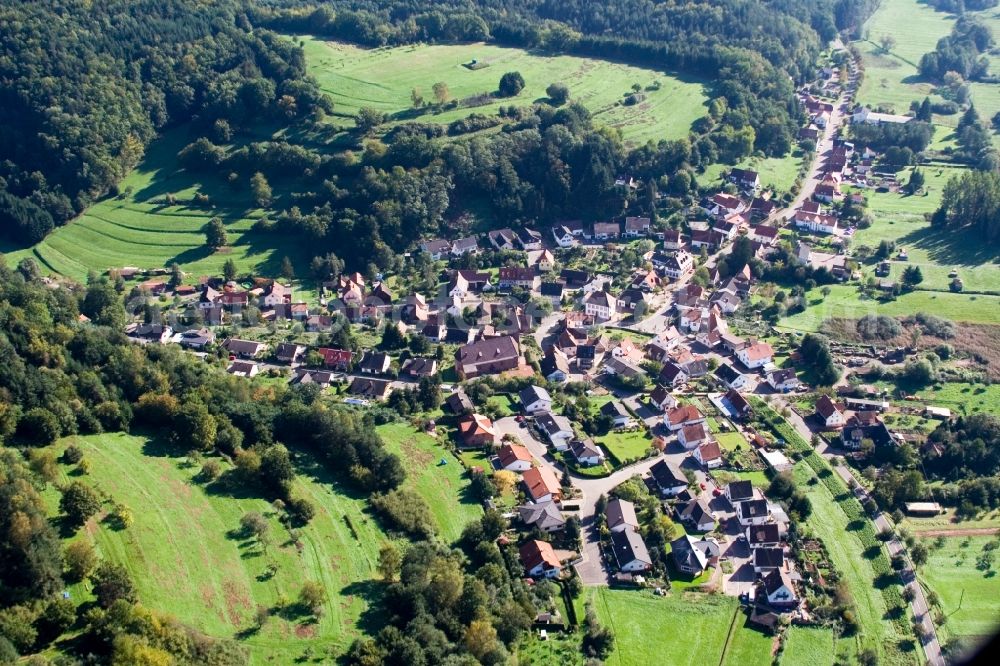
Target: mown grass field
830,524
845,301
900,218
625,445
891,79
139,229
968,595
747,645
686,629
778,173
188,559
986,96
445,488
384,78
808,646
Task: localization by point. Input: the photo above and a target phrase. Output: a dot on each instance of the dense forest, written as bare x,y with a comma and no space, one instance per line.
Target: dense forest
85,86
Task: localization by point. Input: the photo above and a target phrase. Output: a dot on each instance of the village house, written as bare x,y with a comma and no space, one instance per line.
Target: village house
680,417
745,179
756,355
160,333
783,380
709,455
502,239
555,365
458,403
691,555
244,348
553,291
677,265
720,205
696,514
535,399
779,590
337,359
762,208
276,294
636,227
539,559
863,114
436,248
541,260
374,363
418,366
367,387
830,414
586,452
574,279
765,235
619,515
738,491
491,356
672,375
730,377
514,458
243,369
753,512
541,485
739,407
616,411
672,240
475,431
468,245
763,536
693,436
557,429
661,399
630,551
321,378
606,230
668,477
288,352
631,298
563,236
529,239
600,304
815,222
523,278
545,516
766,560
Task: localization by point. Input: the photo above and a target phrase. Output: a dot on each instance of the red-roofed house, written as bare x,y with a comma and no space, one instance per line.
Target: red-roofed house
336,358
475,430
514,458
542,485
756,355
709,455
539,559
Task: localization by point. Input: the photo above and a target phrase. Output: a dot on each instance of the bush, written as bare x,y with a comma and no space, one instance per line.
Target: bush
878,327
406,511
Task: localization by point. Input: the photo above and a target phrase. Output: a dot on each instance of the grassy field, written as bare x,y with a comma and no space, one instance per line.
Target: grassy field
986,96
807,646
778,173
830,524
625,445
384,79
444,487
729,441
960,398
139,229
845,301
891,79
747,645
948,521
968,596
189,560
688,629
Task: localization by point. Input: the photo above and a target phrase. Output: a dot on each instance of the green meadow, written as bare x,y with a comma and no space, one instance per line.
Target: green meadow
808,646
968,595
385,78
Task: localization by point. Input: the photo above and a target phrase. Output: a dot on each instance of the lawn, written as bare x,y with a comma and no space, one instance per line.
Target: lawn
968,596
626,445
504,403
139,229
845,301
948,521
747,645
829,522
730,441
445,488
384,79
681,629
778,173
808,646
188,560
891,79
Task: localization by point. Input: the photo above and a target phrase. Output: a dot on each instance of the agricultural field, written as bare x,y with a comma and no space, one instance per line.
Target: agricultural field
808,646
948,522
747,645
445,488
189,559
846,301
384,79
681,629
140,229
891,79
968,595
986,96
829,522
960,398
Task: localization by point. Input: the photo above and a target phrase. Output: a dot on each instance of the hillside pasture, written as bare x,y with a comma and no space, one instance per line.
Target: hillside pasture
190,560
968,595
138,228
384,79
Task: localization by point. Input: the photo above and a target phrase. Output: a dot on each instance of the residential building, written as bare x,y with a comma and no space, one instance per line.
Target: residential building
370,388
555,365
816,222
865,115
619,515
468,245
337,359
586,452
740,408
672,240
763,536
277,294
374,363
554,291
600,304
779,590
244,348
729,376
539,559
542,485
636,227
459,403
668,477
756,355
765,235
289,352
783,380
160,333
630,551
418,366
697,515
766,560
830,414
515,458
436,248
535,399
475,431
563,236
545,516
709,455
617,412
541,260
688,556
502,239
677,265
753,512
514,276
491,356
680,417
557,429
672,375
739,491
529,239
243,369
745,179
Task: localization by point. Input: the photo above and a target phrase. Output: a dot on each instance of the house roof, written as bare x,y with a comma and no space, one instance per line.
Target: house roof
475,425
628,546
775,580
739,491
693,433
237,346
620,512
606,228
553,423
753,508
241,367
615,409
781,376
458,402
668,474
545,514
697,511
552,289
736,399
487,351
435,246
636,223
660,394
535,553
335,356
369,387
288,350
532,394
768,557
540,481
464,244
374,360
419,366
670,372
687,555
710,451
727,373
758,351
766,533
585,448
826,407
600,299
683,414
510,454
516,274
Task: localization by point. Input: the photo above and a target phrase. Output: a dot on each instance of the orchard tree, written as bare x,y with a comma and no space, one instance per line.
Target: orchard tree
112,583
511,84
79,502
229,270
558,93
368,120
80,560
261,190
389,562
441,92
215,234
